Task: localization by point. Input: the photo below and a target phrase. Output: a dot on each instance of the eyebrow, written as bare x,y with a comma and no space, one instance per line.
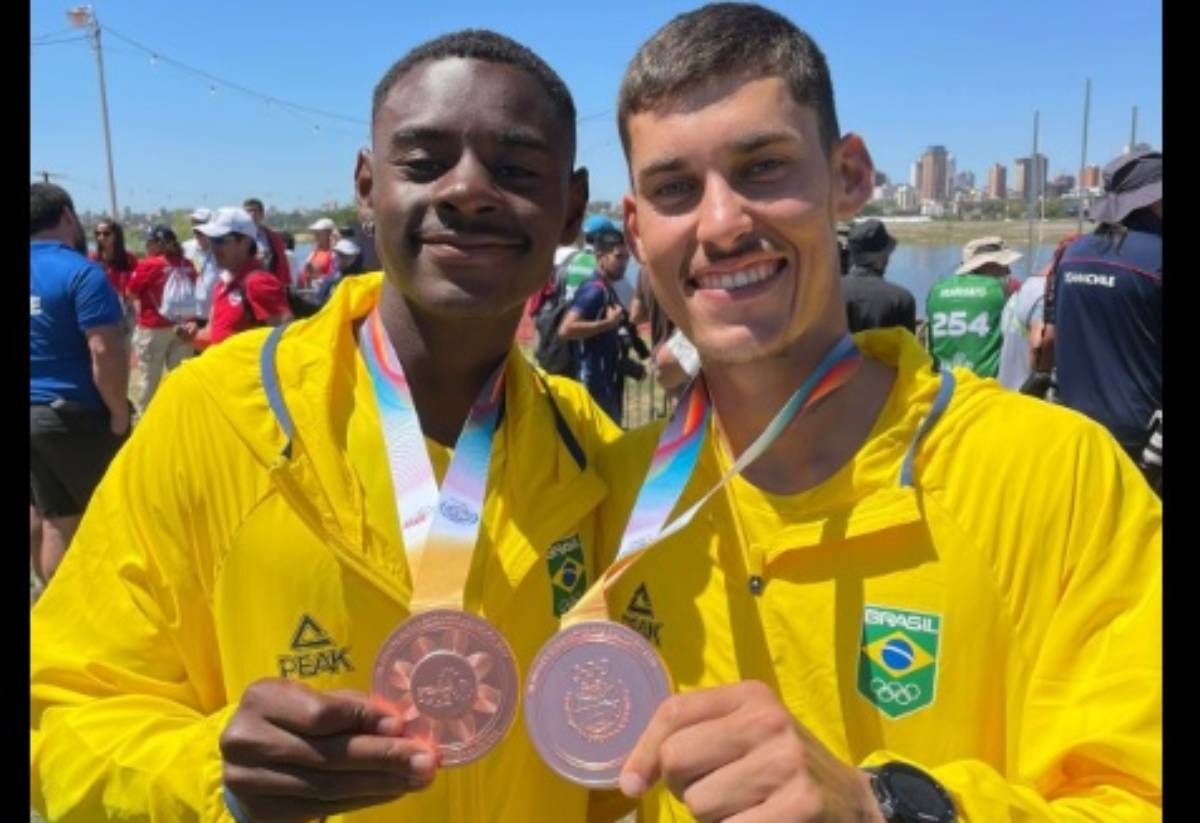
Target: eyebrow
515,138
745,145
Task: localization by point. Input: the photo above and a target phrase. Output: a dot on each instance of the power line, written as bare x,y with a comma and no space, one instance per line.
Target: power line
270,99
76,39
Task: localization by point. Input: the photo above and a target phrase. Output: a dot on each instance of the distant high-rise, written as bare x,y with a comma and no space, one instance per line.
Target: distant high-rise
881,179
1091,177
997,181
950,175
964,181
934,181
914,174
1030,182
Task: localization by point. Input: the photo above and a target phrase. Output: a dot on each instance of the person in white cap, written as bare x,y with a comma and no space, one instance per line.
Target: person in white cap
964,310
192,245
247,296
321,264
198,249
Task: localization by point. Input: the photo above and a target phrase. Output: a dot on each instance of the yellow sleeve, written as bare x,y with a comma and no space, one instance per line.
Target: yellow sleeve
1088,741
126,697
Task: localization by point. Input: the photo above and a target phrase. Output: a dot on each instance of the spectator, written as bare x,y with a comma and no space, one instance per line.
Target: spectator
1107,306
204,261
118,262
871,301
271,250
1021,325
247,295
155,343
191,246
964,310
289,245
593,322
78,373
320,264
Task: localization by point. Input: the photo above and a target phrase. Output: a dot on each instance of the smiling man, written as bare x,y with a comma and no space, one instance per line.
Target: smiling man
240,604
859,626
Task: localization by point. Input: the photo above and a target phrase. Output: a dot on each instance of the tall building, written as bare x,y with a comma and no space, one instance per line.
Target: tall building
1091,177
964,181
934,165
997,181
914,174
906,198
950,175
1030,182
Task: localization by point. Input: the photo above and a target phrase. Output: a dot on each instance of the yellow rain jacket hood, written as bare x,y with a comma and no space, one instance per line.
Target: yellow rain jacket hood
218,551
989,611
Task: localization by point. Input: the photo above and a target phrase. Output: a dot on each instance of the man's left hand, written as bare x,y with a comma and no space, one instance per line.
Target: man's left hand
736,753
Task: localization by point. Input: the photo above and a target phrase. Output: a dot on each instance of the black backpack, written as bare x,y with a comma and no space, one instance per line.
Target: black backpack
555,355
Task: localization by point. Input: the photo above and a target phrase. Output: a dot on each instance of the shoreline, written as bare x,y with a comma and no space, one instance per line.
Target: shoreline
958,232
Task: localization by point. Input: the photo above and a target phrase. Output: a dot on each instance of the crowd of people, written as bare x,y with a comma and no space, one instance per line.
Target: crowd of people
858,624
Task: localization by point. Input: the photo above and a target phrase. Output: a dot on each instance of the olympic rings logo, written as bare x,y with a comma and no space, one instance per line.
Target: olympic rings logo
892,692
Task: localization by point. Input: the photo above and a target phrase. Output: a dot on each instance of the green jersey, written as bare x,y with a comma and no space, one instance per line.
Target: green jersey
577,270
964,322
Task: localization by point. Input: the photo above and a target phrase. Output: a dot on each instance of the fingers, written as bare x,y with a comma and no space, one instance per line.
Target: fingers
261,744
277,808
276,781
305,711
643,766
744,783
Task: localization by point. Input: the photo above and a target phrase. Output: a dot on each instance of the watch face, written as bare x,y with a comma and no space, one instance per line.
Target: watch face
918,797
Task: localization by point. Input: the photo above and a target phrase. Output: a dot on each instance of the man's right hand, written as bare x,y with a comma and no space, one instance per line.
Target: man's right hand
292,753
118,422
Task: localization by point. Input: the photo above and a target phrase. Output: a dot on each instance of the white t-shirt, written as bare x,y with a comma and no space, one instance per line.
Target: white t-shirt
1021,310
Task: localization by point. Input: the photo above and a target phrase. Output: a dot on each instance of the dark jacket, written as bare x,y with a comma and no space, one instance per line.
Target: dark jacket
873,303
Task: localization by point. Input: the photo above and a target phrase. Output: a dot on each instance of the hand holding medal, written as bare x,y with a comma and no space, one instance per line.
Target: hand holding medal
594,687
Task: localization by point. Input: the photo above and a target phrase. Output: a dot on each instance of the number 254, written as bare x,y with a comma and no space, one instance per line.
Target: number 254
954,324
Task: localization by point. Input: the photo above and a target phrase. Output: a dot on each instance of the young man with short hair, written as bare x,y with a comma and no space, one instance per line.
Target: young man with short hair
78,373
865,595
243,606
593,324
270,243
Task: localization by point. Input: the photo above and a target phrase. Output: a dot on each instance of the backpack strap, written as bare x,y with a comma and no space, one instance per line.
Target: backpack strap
560,424
940,402
270,383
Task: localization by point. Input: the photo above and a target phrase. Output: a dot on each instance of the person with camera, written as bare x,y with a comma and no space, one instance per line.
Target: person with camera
595,322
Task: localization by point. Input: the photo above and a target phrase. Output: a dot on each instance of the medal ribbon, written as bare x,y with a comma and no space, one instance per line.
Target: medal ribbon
675,458
439,529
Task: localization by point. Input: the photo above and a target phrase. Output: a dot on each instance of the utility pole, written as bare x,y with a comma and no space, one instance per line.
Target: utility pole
85,17
1133,130
1031,188
1087,107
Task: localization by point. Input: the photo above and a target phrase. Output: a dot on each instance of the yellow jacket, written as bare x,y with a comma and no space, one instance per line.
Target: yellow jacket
997,622
208,559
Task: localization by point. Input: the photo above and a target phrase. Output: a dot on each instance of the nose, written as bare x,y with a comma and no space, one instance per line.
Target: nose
467,189
723,221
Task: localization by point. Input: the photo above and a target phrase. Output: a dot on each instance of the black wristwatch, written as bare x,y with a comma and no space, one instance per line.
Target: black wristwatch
908,795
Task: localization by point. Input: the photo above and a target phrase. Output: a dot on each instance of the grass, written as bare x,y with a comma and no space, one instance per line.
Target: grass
957,232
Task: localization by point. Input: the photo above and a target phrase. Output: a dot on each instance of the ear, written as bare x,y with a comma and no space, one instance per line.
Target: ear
577,200
364,181
632,234
853,176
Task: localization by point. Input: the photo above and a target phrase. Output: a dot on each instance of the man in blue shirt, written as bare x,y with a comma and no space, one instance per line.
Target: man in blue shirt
1106,306
593,322
78,374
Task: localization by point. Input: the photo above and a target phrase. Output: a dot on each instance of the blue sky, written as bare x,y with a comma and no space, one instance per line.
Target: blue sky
906,75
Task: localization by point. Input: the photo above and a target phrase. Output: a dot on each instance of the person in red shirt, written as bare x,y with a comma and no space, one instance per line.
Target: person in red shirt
247,296
111,253
321,264
155,342
271,249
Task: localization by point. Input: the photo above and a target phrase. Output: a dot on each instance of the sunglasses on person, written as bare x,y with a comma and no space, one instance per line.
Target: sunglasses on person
103,232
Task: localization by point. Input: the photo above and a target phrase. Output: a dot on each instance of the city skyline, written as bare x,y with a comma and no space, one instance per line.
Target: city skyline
188,128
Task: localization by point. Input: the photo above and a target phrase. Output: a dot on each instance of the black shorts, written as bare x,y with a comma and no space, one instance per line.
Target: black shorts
69,451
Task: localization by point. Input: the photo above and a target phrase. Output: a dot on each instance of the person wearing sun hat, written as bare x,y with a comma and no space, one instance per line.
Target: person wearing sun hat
321,263
1105,301
964,310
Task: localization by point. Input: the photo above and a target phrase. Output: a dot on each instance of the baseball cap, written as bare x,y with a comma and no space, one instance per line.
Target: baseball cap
229,219
161,234
324,224
597,223
201,215
345,246
990,249
869,237
1131,182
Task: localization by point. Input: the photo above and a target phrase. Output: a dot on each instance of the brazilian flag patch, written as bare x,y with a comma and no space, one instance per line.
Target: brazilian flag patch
897,660
568,574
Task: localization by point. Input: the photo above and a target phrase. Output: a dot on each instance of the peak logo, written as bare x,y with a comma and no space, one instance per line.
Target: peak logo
639,616
314,653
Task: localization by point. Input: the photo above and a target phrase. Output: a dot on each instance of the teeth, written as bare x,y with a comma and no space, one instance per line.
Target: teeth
738,279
